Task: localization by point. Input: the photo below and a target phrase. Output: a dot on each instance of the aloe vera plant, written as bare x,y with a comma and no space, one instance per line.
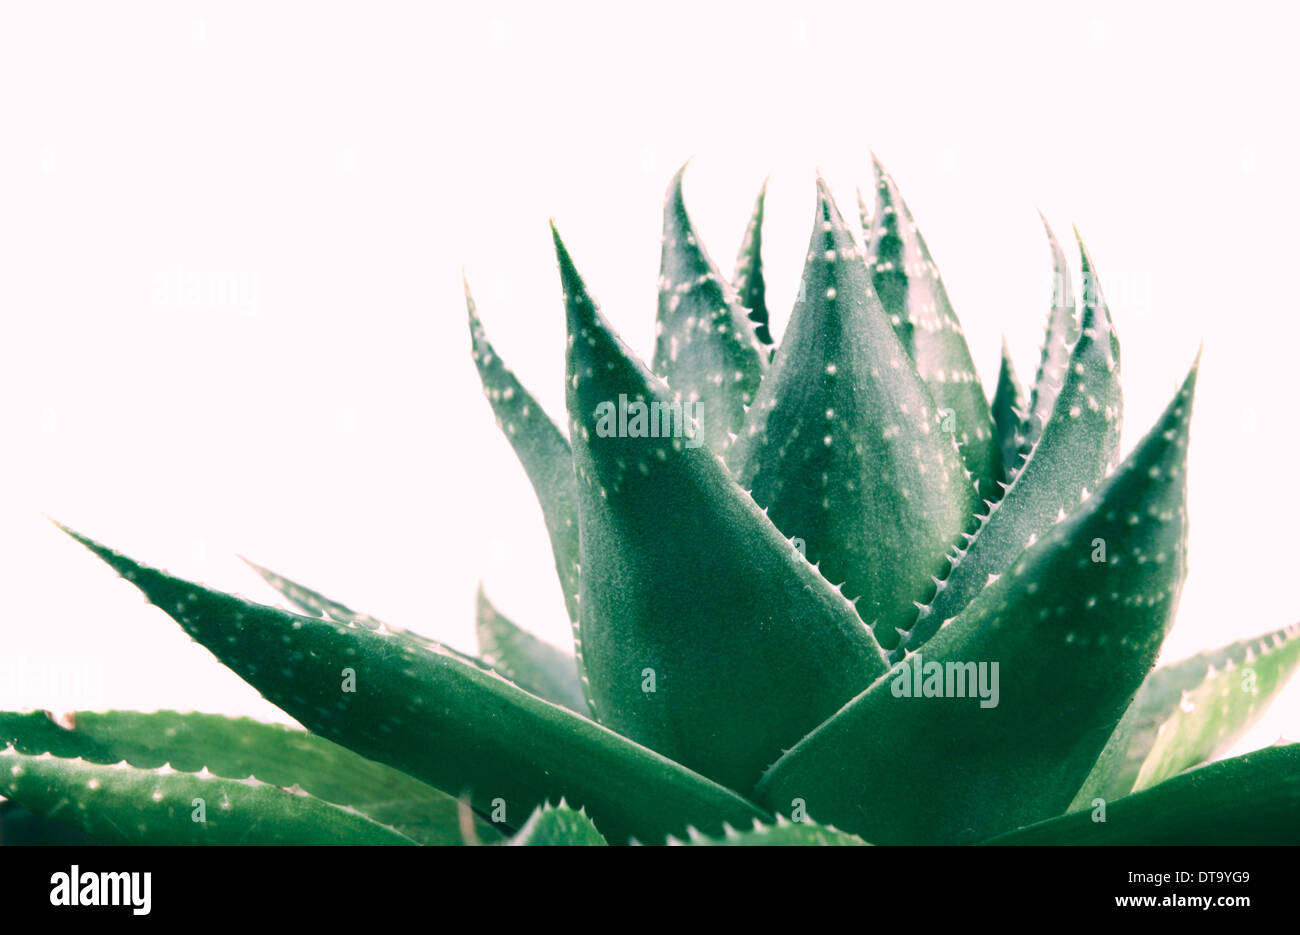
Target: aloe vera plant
821,592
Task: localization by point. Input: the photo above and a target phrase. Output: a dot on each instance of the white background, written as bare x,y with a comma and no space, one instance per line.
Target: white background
231,239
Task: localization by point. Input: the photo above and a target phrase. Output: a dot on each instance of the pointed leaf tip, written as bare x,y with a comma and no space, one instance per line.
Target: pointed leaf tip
543,451
1189,712
748,281
1060,337
529,662
1075,448
465,726
1251,799
682,572
707,345
907,281
841,372
1080,631
1008,405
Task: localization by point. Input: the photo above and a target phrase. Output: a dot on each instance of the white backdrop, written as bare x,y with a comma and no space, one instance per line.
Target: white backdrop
231,238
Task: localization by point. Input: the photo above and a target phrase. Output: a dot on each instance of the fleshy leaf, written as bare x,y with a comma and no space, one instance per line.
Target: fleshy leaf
437,716
1252,799
1077,449
314,604
521,658
310,602
706,347
546,456
844,447
751,291
864,216
1074,637
18,826
913,296
525,660
1009,408
1191,711
1062,332
237,748
558,826
707,636
784,833
123,804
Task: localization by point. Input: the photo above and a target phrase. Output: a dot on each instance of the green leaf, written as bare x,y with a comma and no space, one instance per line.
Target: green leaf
1062,332
784,833
545,454
312,602
1077,449
907,281
1009,409
525,660
751,291
122,804
1193,711
1101,780
707,636
558,826
19,827
864,216
1072,639
437,716
844,447
1251,799
533,665
706,347
236,748
315,604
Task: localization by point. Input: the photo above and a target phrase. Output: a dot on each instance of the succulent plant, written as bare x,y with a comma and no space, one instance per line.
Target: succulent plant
821,593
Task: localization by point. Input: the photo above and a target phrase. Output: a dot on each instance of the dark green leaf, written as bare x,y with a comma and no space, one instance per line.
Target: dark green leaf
1077,449
545,454
1251,799
312,602
558,826
1009,409
531,664
315,604
907,281
525,660
437,716
1072,638
19,827
1062,332
751,290
844,447
784,833
706,347
122,804
236,748
707,636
